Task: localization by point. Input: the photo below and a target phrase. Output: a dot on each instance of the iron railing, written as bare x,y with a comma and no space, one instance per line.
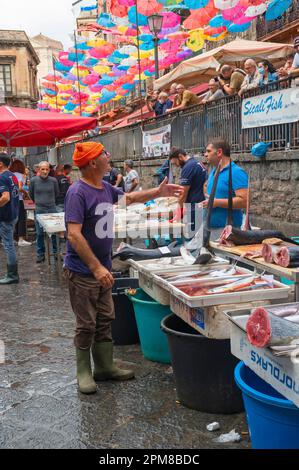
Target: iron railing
263,27
192,128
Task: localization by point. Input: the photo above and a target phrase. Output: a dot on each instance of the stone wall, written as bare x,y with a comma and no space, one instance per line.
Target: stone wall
274,184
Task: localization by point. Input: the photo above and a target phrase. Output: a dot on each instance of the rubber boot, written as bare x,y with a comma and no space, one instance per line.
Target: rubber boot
12,276
104,368
84,375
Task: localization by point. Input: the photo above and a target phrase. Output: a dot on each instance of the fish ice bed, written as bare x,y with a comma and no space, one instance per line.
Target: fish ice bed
282,373
175,263
279,291
154,286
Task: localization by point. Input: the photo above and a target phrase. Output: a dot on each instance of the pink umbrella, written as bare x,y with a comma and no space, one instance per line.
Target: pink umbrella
170,19
149,7
233,14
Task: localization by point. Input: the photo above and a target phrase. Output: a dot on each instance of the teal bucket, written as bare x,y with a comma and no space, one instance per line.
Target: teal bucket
273,420
284,280
149,314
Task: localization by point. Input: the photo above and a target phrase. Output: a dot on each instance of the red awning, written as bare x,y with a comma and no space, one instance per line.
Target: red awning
201,88
25,127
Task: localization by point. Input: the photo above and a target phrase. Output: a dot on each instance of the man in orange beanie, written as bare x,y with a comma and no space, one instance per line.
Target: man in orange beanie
88,263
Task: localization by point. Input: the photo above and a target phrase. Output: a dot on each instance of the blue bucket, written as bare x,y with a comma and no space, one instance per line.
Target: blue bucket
273,420
149,314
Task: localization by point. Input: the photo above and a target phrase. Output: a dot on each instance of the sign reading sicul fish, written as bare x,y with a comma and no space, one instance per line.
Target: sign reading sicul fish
279,107
156,143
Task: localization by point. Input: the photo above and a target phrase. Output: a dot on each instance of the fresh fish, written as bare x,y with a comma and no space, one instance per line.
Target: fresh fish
234,286
287,256
235,236
126,251
269,251
293,318
284,311
265,329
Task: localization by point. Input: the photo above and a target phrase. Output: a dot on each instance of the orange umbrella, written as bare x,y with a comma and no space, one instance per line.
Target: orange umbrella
200,17
149,7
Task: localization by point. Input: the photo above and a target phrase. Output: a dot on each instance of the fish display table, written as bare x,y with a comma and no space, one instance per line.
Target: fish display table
281,372
53,224
235,253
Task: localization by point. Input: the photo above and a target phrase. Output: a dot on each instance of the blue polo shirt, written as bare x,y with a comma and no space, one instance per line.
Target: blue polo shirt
194,174
9,183
239,181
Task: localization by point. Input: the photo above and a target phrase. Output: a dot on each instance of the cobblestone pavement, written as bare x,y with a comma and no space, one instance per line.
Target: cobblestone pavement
40,406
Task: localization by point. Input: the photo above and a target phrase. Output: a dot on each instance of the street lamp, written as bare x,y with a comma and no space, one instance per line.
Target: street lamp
155,23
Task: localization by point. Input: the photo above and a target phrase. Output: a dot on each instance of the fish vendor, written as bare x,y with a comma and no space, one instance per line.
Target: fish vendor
89,222
218,150
193,177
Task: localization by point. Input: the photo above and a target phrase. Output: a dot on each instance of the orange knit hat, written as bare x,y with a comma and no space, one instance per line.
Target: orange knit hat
86,151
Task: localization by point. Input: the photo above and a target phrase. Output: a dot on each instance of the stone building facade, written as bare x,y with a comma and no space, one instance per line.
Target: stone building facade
18,70
46,49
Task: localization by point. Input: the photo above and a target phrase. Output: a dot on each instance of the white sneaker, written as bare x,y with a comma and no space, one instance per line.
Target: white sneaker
24,243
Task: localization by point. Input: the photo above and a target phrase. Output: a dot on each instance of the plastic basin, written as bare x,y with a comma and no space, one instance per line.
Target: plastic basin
272,419
149,315
203,369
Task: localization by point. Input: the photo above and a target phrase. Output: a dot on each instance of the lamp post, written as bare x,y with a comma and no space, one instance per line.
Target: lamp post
155,23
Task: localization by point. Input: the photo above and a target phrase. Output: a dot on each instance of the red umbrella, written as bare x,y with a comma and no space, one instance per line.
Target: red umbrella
25,127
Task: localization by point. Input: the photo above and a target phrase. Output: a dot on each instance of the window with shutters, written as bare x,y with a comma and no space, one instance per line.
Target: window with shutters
5,78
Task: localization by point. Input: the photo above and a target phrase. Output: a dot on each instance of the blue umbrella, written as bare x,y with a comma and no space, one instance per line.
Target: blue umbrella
195,4
132,15
277,9
218,21
238,28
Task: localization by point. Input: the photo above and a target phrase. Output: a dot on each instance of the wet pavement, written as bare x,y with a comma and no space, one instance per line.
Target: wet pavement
40,406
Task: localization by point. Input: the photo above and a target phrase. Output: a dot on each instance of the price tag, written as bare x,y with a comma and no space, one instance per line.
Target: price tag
164,250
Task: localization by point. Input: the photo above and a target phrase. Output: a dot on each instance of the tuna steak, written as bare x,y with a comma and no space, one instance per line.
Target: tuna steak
265,329
287,256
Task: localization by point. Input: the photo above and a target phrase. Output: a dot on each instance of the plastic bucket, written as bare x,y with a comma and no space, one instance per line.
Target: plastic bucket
203,369
273,420
149,315
124,327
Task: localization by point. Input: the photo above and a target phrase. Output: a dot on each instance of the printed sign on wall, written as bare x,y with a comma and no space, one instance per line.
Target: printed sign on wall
279,107
156,143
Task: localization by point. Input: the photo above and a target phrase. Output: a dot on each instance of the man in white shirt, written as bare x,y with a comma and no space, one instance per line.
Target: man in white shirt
253,76
131,178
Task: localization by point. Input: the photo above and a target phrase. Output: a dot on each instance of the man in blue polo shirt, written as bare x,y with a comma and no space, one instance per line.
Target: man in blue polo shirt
218,150
193,177
9,212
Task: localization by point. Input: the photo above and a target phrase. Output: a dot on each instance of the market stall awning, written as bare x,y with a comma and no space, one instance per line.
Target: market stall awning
202,67
25,127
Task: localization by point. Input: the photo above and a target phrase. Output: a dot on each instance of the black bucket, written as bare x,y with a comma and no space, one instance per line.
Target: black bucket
203,369
124,327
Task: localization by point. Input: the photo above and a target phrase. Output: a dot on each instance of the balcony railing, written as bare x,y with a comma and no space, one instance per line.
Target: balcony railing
193,127
264,27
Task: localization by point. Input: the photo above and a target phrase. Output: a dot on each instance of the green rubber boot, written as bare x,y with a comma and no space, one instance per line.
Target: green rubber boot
104,368
84,375
12,276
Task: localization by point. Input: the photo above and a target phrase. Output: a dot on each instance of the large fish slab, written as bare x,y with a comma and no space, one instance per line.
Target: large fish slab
236,236
287,256
264,328
127,251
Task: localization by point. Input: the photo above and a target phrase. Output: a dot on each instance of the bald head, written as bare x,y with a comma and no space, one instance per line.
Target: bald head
250,67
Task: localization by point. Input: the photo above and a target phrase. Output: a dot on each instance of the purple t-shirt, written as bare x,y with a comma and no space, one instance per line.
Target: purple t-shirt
92,208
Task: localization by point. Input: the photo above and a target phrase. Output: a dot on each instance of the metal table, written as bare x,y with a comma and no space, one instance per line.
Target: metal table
260,265
53,224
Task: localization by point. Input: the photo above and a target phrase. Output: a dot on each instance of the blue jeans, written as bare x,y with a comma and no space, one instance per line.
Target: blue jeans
40,241
6,233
